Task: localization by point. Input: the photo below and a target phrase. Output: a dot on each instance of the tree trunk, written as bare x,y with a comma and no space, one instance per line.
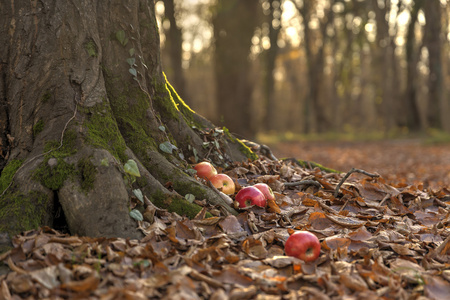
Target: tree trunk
234,25
384,66
412,58
270,56
432,40
316,63
174,46
82,92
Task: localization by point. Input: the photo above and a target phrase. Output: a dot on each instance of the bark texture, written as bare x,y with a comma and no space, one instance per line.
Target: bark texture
82,92
232,64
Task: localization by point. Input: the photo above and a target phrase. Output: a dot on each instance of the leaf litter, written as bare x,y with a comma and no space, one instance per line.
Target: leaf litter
379,241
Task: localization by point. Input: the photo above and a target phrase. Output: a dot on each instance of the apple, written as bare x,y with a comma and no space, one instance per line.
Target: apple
223,183
250,196
205,170
266,190
303,245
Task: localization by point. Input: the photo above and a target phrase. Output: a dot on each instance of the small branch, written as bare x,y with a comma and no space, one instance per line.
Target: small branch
353,170
265,150
261,148
303,182
384,199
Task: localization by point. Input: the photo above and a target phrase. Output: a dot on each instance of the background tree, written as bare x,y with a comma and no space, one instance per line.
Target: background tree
413,50
315,57
385,75
83,92
234,24
433,43
174,41
368,61
273,14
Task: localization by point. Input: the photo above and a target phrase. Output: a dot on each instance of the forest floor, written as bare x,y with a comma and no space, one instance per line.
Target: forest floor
406,161
380,239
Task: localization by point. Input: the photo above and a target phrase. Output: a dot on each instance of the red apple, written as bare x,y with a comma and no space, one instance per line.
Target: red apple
223,183
266,190
205,170
250,196
303,245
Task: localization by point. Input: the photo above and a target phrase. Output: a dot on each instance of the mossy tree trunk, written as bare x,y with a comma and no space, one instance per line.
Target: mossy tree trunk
82,91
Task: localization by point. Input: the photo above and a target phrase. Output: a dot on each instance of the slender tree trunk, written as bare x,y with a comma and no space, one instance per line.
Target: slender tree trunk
316,63
412,58
384,66
432,41
174,43
270,56
82,92
234,24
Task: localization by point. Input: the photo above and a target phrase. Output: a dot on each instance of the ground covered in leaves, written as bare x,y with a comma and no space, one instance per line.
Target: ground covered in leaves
408,161
380,240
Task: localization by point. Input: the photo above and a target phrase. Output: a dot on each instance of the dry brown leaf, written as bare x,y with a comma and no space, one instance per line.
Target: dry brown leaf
88,284
319,221
402,249
436,288
230,224
348,222
353,282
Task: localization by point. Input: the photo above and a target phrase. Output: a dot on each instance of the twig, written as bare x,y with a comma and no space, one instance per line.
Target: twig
303,182
343,206
353,170
265,150
384,199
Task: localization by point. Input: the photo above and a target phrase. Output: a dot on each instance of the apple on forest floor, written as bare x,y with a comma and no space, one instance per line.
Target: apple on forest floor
303,245
266,190
205,170
250,196
223,183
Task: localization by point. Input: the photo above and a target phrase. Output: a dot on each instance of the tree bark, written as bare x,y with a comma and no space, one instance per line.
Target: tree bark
174,43
270,56
384,66
82,92
316,62
412,58
234,24
432,40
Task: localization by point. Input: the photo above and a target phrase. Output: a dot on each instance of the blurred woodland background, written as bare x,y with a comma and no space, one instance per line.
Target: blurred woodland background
357,67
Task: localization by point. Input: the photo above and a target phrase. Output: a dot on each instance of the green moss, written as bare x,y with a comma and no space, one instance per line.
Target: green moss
91,48
164,98
179,205
54,177
179,104
8,173
38,127
46,97
243,148
88,172
68,147
102,131
130,106
31,209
